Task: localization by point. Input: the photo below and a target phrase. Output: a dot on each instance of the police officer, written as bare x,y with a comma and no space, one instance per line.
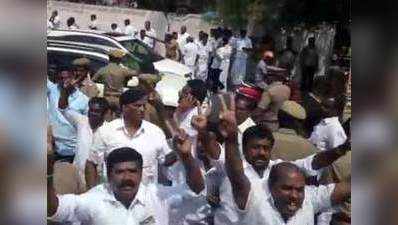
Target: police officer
82,72
115,77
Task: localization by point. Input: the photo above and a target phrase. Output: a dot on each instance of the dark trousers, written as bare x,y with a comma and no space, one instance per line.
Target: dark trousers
307,78
213,80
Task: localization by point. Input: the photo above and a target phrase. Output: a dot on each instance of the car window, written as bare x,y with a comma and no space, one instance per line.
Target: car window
135,48
56,59
84,39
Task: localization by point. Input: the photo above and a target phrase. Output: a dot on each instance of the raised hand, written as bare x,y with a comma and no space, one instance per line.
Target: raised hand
228,124
185,103
182,143
199,122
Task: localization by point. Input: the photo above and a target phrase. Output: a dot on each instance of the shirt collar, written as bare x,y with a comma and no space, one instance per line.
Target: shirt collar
330,120
140,130
138,199
246,124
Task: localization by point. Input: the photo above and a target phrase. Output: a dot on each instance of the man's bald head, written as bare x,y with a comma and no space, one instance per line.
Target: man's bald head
287,186
282,171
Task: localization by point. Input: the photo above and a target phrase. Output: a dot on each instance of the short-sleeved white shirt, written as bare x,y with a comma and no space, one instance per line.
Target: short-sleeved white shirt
226,213
130,30
328,134
260,208
149,140
182,39
99,206
190,51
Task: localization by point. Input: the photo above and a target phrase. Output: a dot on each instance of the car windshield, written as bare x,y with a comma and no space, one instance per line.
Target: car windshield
141,50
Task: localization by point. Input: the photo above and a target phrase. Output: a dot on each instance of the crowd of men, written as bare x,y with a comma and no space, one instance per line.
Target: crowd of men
227,151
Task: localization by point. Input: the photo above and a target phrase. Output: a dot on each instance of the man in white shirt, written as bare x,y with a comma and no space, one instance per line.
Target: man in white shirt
151,33
285,199
71,24
182,36
130,130
328,133
93,22
257,144
124,199
190,54
129,29
243,47
144,38
115,28
86,126
204,54
55,22
191,97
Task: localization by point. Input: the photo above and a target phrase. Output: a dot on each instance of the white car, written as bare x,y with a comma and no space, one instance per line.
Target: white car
126,43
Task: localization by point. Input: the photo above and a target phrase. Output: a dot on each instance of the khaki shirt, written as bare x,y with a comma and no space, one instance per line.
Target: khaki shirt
114,77
290,146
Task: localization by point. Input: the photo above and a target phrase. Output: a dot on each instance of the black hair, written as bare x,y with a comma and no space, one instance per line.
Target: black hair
279,171
198,89
102,102
132,95
259,132
124,154
70,21
243,32
127,22
93,16
113,25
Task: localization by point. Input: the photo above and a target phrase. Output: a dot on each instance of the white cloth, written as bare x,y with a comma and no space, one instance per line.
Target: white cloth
182,39
328,134
93,25
224,53
149,41
226,213
84,138
190,51
260,208
130,30
238,71
73,27
149,140
203,61
117,30
99,206
56,23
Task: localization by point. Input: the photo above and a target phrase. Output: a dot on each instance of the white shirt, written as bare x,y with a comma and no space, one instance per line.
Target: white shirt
240,44
84,137
182,39
328,134
149,41
149,140
190,51
117,30
93,25
130,30
227,213
260,208
56,24
99,206
73,27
